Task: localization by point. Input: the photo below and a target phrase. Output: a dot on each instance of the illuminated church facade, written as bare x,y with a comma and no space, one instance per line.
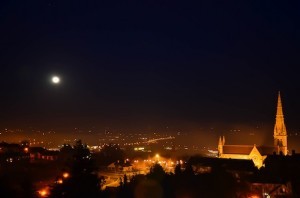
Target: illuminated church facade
258,153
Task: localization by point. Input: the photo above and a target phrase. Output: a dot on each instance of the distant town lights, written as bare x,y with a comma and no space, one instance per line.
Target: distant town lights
43,192
60,181
66,175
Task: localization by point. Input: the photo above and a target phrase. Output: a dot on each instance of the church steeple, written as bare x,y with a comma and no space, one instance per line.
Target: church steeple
279,107
220,141
220,146
280,134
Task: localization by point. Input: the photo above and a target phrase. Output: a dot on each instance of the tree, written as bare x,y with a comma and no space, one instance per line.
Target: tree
156,172
178,170
25,143
189,170
82,180
110,153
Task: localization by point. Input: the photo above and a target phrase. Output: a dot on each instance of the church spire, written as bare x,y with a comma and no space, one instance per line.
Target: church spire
279,106
279,125
220,141
220,146
280,134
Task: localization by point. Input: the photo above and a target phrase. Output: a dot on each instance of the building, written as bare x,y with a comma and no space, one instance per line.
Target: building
280,134
270,189
118,166
40,153
237,167
258,153
10,153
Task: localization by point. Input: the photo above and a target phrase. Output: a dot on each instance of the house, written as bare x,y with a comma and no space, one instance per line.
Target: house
12,153
120,166
40,153
127,167
111,167
237,167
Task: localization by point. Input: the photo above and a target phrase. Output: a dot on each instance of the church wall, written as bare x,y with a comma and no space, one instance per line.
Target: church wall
234,156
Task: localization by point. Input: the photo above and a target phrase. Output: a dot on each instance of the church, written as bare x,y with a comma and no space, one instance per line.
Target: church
258,153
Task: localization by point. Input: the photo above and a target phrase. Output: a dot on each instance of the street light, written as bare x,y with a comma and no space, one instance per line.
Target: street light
60,181
66,175
44,192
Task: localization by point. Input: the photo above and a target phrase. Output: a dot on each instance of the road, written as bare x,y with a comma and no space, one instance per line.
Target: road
113,179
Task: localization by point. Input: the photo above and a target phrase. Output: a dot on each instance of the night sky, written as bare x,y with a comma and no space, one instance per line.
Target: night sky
135,65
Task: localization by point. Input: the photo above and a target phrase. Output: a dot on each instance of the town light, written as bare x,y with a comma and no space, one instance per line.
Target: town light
254,196
66,175
43,192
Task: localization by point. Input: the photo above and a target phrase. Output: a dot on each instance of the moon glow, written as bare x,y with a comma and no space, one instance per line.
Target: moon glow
55,79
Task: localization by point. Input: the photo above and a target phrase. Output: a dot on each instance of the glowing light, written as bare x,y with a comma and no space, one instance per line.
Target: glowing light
55,79
60,181
43,192
254,196
26,149
157,155
66,175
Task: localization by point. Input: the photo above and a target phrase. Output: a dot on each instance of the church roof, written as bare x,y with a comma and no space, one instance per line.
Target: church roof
237,149
246,149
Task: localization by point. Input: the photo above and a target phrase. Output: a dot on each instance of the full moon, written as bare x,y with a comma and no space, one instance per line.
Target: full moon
55,79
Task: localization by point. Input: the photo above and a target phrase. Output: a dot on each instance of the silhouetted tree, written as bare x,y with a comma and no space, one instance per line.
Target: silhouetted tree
222,183
178,170
25,143
189,170
83,180
125,180
66,154
12,185
156,173
110,153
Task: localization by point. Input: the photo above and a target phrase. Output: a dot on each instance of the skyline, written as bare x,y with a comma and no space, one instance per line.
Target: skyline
140,66
149,98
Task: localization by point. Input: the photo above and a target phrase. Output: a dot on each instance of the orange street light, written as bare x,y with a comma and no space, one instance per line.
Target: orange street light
43,192
66,175
60,181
